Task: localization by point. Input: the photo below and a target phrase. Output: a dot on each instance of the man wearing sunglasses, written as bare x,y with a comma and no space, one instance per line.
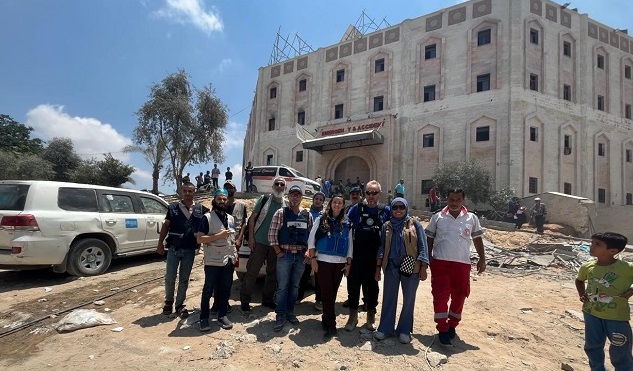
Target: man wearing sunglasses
261,250
367,218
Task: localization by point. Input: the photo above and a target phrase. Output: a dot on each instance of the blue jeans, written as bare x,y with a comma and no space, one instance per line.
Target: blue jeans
183,259
391,285
289,271
597,330
220,279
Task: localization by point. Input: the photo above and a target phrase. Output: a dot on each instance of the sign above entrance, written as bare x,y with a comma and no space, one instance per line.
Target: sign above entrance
352,127
342,141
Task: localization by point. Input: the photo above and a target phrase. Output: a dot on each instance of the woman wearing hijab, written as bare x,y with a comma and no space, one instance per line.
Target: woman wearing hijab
403,256
330,249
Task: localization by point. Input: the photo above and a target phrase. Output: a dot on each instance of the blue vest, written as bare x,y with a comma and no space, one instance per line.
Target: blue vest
182,231
336,241
295,228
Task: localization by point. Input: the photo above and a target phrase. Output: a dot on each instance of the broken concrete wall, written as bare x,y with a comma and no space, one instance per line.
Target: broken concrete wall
615,219
573,211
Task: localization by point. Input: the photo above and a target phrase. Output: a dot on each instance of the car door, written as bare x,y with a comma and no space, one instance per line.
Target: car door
155,211
123,218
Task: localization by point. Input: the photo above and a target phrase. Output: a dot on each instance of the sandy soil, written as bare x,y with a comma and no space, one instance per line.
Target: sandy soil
512,321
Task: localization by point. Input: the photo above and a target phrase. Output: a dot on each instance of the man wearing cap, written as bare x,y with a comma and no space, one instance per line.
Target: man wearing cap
261,251
354,197
288,235
216,233
538,214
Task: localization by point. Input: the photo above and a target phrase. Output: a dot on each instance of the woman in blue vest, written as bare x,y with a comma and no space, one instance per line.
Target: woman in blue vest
403,255
330,247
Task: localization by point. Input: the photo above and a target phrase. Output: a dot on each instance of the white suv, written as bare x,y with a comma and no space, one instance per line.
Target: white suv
263,179
75,228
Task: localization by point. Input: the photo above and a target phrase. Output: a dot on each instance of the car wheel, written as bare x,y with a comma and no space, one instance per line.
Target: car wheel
89,257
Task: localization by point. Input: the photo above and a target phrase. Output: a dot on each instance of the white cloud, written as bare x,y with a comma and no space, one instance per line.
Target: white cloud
91,137
224,65
193,12
142,174
234,135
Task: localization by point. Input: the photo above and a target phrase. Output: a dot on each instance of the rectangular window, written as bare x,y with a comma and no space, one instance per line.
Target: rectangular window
340,75
600,102
378,103
301,118
629,155
428,140
269,159
627,72
600,62
483,37
567,92
566,48
109,203
602,195
629,198
533,82
533,134
534,36
533,185
429,93
338,111
482,134
273,93
627,111
567,188
303,85
299,156
271,124
430,51
76,199
601,149
567,145
483,82
379,65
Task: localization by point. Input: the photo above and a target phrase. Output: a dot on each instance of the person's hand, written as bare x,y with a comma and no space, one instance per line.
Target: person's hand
423,274
225,233
315,265
584,298
160,249
627,294
377,276
238,242
481,265
346,269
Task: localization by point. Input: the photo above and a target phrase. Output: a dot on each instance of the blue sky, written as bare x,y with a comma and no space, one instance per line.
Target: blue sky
82,68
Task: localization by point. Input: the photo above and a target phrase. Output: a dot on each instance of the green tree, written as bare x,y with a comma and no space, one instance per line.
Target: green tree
499,199
107,172
61,153
188,123
470,176
16,137
24,166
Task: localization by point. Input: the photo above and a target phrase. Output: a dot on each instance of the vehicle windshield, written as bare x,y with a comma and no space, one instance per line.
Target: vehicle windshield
13,196
297,173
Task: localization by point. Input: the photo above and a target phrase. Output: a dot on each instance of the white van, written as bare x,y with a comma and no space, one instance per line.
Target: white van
75,228
263,179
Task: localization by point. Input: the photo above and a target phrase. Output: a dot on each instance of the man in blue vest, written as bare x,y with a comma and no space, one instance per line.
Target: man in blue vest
180,227
366,218
288,235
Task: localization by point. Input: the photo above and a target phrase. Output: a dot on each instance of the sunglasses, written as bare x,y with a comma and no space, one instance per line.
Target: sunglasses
279,184
398,207
372,193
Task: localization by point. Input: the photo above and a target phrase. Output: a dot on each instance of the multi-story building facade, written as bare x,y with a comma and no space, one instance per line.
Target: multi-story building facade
539,94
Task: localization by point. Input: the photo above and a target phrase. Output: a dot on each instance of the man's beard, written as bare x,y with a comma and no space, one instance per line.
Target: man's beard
278,194
219,207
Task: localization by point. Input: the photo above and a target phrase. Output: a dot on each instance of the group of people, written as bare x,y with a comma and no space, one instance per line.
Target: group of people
517,213
330,187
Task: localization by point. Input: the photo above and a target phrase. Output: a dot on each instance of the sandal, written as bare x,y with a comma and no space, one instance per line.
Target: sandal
182,312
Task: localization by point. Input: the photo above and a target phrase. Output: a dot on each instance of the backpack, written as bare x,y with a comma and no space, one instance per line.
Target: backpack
248,223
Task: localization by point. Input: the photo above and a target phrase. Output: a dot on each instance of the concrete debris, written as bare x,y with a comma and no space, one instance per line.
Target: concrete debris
99,302
42,300
566,367
435,359
117,329
367,346
48,289
248,338
223,350
296,363
575,315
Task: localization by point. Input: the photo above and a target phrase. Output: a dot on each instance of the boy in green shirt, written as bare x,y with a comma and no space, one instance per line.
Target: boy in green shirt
606,306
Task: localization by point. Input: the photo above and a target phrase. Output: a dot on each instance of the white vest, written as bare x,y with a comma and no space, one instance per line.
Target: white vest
219,252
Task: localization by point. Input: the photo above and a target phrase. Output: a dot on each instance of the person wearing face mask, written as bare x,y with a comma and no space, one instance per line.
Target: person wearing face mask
216,233
261,250
403,257
316,209
288,236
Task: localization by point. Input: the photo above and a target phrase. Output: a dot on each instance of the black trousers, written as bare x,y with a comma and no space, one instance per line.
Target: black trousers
362,274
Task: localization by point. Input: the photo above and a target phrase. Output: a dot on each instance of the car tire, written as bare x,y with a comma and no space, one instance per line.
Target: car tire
240,275
89,257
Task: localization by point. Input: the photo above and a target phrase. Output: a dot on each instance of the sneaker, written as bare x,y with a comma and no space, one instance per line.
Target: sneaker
225,323
452,333
204,325
279,324
445,338
379,336
318,305
292,319
269,304
182,312
404,338
329,334
168,308
245,309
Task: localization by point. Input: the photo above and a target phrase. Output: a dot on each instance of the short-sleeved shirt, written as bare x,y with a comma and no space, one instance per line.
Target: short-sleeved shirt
215,172
452,237
261,235
605,284
228,175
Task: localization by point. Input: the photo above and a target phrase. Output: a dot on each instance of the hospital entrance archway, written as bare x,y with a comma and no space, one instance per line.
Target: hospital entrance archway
350,168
